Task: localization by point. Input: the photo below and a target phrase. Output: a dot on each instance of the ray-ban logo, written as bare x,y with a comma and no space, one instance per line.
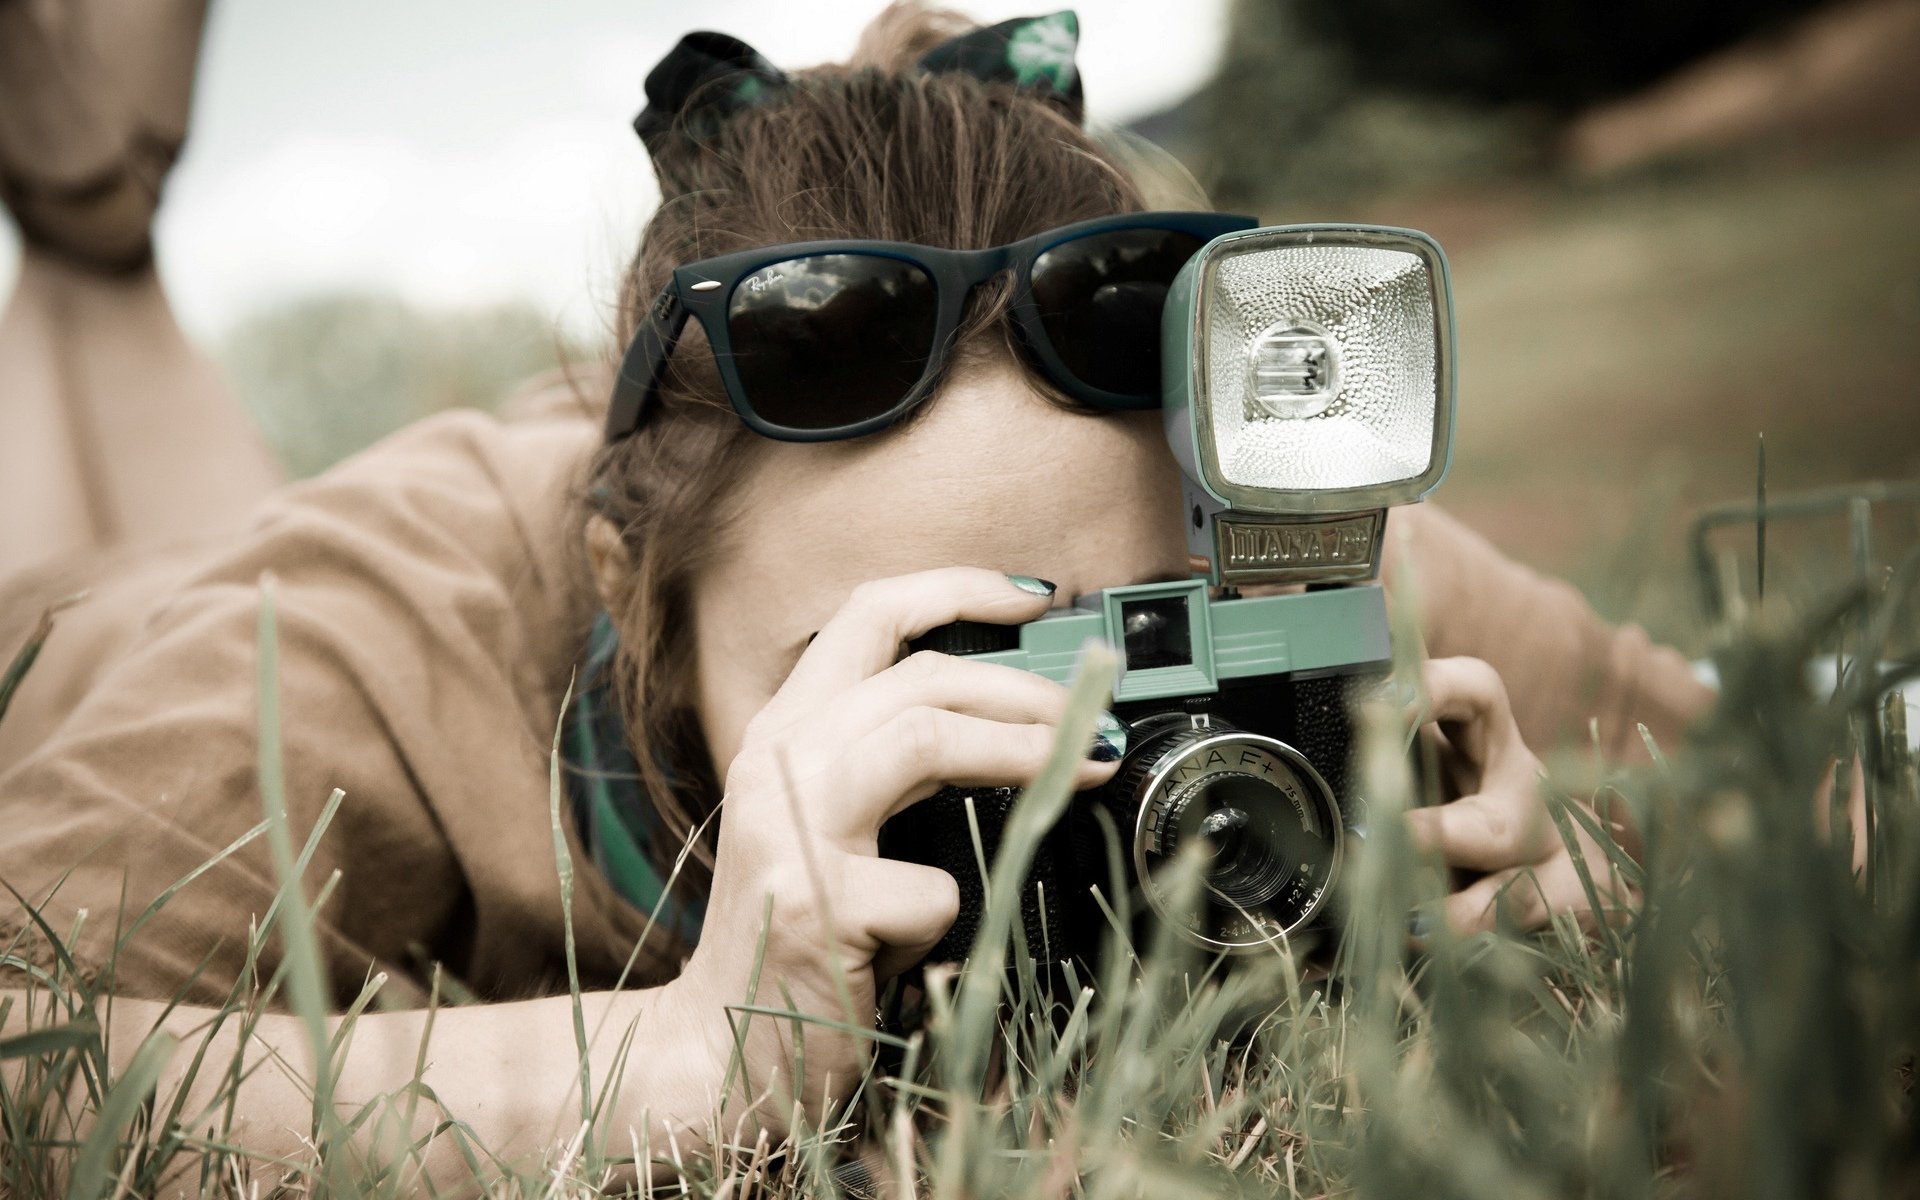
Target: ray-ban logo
764,280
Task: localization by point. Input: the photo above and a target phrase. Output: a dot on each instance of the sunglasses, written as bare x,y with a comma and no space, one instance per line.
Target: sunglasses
818,341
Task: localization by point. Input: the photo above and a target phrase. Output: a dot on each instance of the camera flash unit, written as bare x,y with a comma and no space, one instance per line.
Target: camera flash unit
1309,385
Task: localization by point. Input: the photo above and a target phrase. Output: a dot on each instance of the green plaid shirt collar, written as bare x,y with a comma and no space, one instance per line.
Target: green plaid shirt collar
618,825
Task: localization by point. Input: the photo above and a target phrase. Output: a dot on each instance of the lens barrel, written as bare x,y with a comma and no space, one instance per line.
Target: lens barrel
1262,822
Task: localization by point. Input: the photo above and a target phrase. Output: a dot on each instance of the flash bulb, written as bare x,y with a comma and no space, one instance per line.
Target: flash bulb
1293,371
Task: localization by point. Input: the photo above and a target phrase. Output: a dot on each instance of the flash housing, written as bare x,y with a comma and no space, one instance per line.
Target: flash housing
1200,370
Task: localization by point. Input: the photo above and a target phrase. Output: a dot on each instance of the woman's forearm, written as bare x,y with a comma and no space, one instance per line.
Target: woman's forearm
510,1073
1562,664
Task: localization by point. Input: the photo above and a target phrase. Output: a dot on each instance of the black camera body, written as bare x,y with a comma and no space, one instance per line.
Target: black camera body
1234,743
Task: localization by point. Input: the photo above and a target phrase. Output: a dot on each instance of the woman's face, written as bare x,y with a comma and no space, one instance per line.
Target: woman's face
990,475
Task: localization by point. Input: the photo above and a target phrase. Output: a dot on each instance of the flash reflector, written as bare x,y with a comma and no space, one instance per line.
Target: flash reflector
1310,368
1306,422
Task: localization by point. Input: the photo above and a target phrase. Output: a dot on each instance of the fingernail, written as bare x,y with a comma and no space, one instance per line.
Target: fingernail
1109,739
1419,925
1038,587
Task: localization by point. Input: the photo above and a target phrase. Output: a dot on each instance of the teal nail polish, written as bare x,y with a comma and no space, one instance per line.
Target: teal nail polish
1109,739
1027,583
1419,925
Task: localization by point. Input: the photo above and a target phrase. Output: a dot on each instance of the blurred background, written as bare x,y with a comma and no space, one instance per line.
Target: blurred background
1673,226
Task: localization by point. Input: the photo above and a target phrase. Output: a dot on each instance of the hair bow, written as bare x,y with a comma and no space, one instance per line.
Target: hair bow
708,77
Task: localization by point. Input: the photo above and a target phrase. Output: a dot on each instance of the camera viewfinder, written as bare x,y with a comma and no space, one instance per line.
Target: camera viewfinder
1158,632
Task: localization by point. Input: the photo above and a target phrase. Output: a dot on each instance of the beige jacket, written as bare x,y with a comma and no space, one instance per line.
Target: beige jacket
431,607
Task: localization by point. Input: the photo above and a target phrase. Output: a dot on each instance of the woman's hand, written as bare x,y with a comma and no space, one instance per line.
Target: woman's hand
855,735
1499,827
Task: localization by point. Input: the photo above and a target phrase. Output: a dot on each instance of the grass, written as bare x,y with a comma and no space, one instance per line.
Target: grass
1747,1030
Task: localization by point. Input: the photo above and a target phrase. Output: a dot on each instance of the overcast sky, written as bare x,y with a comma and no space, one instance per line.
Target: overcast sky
463,151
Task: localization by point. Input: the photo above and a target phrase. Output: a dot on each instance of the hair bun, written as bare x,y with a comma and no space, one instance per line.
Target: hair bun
709,77
705,79
1033,54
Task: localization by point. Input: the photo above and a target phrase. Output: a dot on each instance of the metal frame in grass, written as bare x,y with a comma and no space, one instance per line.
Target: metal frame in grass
704,289
1887,755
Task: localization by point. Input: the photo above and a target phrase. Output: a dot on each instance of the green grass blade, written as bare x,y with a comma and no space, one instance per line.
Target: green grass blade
307,985
93,1171
30,650
74,1035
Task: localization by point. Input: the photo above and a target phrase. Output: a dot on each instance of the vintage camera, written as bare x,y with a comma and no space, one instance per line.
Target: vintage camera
1309,385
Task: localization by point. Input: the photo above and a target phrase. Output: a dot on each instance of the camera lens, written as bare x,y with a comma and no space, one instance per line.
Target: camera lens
1261,820
1236,822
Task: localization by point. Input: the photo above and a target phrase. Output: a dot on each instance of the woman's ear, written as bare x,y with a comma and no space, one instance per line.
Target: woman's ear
612,565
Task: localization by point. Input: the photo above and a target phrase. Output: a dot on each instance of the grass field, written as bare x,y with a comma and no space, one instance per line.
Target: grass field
1748,1030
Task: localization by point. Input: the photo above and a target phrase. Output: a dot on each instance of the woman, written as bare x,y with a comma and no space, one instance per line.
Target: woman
433,598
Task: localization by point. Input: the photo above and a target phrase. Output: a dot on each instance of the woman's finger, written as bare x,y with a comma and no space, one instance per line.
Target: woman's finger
1505,826
921,750
902,908
1513,897
1527,897
932,680
1502,822
1466,696
864,637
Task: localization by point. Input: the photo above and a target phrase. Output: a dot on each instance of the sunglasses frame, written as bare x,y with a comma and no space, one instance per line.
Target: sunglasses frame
704,290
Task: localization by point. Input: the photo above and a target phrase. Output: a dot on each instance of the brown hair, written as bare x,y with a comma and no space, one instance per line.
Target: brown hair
872,149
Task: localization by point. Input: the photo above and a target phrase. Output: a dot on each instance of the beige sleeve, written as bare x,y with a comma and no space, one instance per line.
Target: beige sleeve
1562,664
154,772
414,624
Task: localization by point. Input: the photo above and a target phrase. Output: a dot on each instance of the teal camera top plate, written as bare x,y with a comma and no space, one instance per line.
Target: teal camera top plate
1333,630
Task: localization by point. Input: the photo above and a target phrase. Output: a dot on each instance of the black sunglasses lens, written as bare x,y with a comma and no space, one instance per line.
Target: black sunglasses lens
1099,299
833,339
